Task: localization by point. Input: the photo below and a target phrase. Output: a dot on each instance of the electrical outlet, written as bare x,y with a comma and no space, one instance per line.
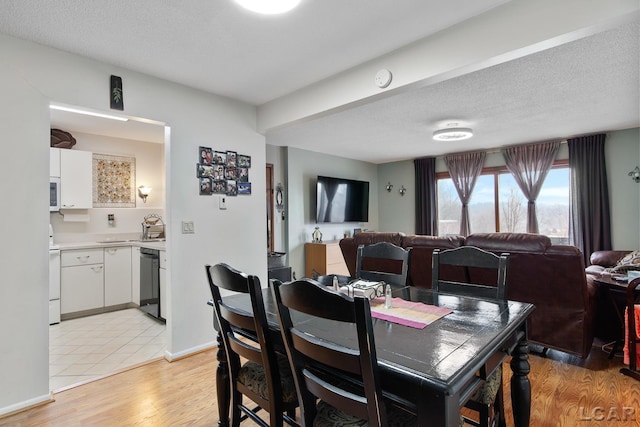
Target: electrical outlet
187,227
223,203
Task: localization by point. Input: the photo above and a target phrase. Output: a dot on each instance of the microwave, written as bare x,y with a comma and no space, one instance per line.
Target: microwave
54,194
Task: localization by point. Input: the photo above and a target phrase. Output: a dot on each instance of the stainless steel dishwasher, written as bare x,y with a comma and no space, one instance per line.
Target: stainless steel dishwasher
150,283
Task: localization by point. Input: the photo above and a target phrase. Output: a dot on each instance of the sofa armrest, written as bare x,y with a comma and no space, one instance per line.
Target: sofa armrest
606,258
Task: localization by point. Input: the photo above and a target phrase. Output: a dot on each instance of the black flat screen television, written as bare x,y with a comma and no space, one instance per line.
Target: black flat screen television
341,200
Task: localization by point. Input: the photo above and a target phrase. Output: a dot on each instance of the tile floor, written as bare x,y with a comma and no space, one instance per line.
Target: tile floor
90,347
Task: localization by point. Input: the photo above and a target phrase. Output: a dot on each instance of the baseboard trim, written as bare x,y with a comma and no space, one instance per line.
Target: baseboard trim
25,405
172,357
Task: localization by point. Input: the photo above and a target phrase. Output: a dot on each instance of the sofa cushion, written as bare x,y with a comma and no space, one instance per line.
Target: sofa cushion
369,238
510,242
607,258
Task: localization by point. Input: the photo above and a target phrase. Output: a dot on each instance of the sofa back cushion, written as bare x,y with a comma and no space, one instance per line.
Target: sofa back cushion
420,260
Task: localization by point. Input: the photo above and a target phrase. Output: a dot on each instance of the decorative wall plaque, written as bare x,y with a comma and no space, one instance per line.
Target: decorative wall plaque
114,180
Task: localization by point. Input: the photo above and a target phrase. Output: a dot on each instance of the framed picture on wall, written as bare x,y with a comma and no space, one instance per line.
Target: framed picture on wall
244,188
205,186
219,186
219,158
205,155
244,161
243,174
232,187
232,158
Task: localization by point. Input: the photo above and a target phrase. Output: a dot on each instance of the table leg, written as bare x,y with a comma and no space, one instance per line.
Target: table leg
520,385
222,385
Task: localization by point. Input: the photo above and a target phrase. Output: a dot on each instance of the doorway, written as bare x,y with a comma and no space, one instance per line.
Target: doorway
270,221
125,337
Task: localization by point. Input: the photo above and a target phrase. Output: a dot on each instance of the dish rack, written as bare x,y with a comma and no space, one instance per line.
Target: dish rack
152,227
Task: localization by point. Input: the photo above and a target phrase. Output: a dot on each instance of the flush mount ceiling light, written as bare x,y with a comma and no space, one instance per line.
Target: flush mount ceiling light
452,134
268,7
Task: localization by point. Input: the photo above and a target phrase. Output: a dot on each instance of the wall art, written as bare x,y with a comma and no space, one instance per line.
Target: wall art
114,179
223,172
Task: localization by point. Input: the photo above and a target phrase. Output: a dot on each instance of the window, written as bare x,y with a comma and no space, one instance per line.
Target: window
497,204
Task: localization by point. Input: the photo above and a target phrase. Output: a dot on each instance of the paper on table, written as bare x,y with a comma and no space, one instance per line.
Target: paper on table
407,313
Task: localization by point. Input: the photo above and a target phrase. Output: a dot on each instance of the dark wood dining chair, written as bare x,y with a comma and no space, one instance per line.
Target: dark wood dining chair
488,401
345,380
383,262
266,377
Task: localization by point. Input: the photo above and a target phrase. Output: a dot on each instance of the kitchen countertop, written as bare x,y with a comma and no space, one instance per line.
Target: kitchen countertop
151,244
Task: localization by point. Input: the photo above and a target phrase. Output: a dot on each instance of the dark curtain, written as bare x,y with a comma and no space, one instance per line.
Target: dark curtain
590,223
426,215
529,165
464,170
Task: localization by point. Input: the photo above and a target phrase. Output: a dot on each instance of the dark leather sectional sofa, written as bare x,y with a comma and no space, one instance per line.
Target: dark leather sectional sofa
550,276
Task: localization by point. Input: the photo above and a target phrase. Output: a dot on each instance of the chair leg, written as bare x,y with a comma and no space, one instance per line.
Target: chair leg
499,408
236,413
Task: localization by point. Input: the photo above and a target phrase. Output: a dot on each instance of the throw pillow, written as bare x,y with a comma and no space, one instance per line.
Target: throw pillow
631,261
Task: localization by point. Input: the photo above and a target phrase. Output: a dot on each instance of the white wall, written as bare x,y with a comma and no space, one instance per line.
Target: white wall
30,77
303,169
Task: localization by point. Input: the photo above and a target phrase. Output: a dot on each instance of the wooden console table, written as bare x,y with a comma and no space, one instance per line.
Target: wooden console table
324,258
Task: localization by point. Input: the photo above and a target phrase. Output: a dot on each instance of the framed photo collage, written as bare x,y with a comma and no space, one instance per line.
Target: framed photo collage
223,172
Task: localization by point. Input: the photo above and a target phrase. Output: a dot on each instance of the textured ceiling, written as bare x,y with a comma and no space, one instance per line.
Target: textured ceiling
219,47
589,85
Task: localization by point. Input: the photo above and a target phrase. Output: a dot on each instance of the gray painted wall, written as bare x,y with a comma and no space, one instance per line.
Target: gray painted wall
623,154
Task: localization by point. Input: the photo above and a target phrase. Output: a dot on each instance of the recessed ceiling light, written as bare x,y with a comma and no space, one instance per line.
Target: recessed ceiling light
452,134
268,7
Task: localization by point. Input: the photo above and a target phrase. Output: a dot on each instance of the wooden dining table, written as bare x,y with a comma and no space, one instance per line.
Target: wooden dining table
434,370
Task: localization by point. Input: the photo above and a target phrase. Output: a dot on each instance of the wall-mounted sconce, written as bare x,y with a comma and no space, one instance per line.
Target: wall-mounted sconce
144,192
389,187
635,174
402,190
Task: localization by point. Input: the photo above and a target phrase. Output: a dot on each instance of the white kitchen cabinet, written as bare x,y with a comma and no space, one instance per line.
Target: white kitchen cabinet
81,280
54,162
76,179
163,285
135,275
117,275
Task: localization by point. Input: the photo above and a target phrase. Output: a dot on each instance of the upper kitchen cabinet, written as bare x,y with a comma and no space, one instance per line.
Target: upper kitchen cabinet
54,162
76,179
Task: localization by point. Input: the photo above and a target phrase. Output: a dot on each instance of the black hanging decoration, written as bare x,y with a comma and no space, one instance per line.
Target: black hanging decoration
116,94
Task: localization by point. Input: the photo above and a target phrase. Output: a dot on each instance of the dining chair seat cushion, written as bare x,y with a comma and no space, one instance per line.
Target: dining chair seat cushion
252,375
328,416
488,392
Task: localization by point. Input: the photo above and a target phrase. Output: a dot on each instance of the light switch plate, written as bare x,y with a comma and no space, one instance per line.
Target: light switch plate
223,203
187,227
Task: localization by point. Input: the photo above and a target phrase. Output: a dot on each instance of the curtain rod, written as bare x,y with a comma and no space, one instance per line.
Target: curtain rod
497,150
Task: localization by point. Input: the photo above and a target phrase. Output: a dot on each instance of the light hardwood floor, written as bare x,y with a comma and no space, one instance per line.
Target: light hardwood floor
565,392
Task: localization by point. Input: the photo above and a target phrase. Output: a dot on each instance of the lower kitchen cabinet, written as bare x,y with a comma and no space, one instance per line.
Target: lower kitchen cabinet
81,288
81,280
117,275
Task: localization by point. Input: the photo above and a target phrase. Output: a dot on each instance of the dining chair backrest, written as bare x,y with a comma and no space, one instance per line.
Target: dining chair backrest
469,258
237,345
314,360
383,261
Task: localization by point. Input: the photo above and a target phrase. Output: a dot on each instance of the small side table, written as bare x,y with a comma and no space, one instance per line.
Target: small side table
613,286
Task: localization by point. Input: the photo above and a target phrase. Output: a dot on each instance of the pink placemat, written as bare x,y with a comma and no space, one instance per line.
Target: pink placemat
407,313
